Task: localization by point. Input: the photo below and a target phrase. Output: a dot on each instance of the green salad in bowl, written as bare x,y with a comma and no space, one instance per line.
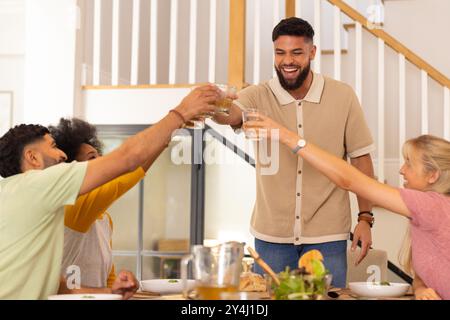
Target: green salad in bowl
309,282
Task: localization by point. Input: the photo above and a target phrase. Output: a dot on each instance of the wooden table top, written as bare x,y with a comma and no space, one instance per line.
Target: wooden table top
343,294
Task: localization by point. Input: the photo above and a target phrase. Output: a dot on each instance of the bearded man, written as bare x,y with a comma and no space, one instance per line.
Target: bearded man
297,209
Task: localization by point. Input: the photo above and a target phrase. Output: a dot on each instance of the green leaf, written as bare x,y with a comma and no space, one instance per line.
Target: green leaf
317,267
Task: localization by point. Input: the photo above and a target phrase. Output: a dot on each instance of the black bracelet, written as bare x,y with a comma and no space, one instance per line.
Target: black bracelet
365,212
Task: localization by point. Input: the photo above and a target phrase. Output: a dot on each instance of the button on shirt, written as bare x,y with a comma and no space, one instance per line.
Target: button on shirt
296,204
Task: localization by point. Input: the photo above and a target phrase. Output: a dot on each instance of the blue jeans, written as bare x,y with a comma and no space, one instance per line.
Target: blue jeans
280,255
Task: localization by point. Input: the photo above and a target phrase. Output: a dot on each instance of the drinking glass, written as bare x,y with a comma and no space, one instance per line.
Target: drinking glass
251,114
223,105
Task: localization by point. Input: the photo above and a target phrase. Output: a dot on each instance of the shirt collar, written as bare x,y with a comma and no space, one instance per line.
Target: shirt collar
314,93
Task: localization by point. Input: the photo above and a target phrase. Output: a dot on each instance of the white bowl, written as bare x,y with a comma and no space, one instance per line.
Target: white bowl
85,296
166,286
376,290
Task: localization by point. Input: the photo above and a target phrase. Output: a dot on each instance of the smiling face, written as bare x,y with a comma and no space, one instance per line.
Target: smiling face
293,55
86,153
414,173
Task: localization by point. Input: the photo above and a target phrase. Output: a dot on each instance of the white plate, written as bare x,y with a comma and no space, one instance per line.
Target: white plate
371,290
86,296
166,286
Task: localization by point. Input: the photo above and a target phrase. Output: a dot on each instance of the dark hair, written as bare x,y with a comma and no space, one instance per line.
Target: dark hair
70,134
12,145
293,27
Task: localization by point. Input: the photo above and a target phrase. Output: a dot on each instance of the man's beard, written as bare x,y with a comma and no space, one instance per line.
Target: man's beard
298,82
49,162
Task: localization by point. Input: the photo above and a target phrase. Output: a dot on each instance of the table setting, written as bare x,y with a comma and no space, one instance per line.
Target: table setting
220,274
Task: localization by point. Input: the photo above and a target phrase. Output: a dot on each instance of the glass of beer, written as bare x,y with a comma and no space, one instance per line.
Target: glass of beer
199,121
224,103
251,114
216,270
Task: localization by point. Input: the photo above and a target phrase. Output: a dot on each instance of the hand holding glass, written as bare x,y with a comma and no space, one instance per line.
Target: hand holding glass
251,114
228,93
222,106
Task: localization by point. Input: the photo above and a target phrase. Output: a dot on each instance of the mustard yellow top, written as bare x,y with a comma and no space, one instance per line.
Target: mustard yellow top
88,231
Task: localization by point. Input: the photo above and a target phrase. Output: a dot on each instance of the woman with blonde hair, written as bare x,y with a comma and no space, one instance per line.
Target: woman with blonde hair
425,200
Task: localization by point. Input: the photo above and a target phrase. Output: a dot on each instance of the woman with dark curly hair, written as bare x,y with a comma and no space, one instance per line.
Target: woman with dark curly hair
77,138
88,227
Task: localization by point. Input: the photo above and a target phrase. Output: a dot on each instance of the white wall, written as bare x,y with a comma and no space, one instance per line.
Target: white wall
37,48
50,60
424,27
145,105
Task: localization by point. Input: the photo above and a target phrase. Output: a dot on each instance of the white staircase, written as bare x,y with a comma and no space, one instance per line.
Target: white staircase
148,63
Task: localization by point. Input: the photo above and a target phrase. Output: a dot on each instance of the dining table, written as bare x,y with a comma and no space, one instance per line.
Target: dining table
333,294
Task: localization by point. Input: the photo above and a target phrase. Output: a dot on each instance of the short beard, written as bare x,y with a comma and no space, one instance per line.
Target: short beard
298,82
49,162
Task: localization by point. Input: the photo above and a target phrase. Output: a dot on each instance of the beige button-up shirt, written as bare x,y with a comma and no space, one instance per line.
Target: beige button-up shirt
294,202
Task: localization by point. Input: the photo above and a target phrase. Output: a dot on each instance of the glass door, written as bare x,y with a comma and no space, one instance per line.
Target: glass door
230,187
152,222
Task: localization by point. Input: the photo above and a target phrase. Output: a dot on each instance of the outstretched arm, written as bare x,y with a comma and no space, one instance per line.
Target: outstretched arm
149,143
348,177
337,170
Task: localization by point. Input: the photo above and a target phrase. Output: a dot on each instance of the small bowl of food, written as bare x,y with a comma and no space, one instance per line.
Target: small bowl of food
379,289
165,286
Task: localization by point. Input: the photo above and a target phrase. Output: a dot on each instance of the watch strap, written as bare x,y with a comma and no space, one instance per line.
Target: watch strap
369,220
296,149
298,146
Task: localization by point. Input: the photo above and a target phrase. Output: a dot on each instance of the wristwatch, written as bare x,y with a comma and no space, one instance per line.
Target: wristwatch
300,144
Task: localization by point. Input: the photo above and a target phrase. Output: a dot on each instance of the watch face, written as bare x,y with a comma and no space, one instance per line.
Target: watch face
301,143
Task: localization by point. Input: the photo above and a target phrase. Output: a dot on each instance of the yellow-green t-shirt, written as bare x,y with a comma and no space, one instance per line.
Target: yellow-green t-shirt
32,229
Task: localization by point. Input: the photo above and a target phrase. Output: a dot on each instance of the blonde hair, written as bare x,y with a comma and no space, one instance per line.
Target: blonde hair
405,255
435,157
